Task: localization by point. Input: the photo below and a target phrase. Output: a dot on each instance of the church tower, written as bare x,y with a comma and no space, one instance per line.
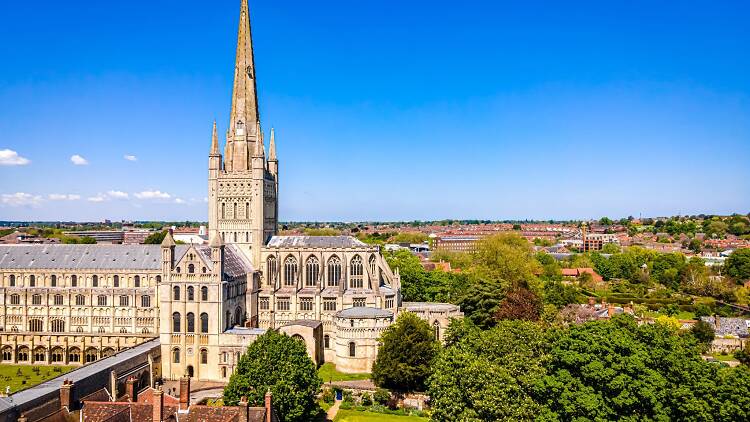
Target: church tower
243,187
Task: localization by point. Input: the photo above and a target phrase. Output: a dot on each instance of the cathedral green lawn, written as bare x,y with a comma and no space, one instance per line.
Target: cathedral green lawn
328,373
358,416
9,375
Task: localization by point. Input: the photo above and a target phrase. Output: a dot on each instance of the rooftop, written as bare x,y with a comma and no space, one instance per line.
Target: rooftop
364,312
315,242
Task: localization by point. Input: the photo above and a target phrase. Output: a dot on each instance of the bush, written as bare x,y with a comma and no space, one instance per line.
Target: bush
348,398
366,399
328,396
382,396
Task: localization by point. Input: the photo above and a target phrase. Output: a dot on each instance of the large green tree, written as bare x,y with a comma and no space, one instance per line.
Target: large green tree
407,350
737,265
488,375
508,258
278,363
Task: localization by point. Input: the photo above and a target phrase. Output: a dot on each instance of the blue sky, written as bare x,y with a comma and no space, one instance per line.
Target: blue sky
384,110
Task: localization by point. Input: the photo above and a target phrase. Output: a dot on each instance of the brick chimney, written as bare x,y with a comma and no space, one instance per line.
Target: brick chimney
269,409
130,389
66,394
184,392
243,409
158,404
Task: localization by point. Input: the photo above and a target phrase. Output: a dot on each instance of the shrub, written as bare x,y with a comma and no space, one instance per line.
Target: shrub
382,396
328,396
366,399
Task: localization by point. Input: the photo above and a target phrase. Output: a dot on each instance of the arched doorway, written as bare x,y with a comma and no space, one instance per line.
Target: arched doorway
190,371
300,338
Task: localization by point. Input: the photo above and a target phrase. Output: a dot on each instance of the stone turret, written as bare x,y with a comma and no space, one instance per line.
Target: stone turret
167,252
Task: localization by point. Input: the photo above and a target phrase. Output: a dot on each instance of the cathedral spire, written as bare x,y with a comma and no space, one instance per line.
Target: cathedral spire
214,141
260,150
244,115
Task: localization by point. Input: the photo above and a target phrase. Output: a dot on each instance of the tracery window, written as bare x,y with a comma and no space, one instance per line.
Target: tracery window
58,300
124,300
58,326
312,271
145,301
36,325
15,299
271,270
334,271
306,304
101,300
80,300
356,272
290,271
36,299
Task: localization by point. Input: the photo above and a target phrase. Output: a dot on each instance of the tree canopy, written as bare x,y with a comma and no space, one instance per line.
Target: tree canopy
407,349
738,264
278,363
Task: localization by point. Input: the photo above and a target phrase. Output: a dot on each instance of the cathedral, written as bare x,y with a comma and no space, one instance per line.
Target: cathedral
205,303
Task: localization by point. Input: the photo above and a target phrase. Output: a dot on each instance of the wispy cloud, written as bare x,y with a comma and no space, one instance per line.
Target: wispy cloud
152,194
78,160
179,201
8,157
131,158
20,199
97,198
63,197
118,194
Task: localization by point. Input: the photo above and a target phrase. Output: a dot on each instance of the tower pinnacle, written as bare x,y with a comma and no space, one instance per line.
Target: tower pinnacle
214,141
272,148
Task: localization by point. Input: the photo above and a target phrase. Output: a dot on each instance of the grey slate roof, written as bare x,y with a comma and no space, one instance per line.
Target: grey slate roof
364,312
89,257
315,242
108,257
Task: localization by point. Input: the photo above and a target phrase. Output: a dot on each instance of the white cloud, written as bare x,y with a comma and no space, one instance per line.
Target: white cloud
118,194
131,158
152,194
63,197
78,160
8,157
20,199
97,198
179,201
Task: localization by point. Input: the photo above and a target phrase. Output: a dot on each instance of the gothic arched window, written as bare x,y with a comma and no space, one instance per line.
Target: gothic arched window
271,270
176,293
312,271
176,355
204,356
356,272
334,271
190,293
95,281
290,271
137,280
204,293
116,281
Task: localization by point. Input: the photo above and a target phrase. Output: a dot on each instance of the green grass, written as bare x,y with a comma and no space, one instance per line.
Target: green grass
359,416
328,373
28,378
723,358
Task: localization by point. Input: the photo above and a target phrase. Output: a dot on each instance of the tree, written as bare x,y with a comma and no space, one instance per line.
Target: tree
489,375
479,301
610,248
703,333
407,349
519,303
278,363
155,238
605,221
609,370
558,294
716,228
737,265
505,257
